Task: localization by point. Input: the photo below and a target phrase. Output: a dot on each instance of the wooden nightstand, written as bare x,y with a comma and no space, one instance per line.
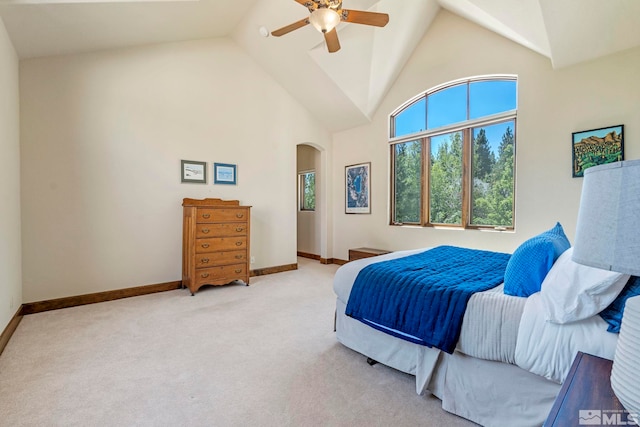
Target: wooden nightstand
359,253
586,396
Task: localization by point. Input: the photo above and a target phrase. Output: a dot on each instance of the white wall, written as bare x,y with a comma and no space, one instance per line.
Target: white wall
102,139
309,224
552,105
102,135
10,245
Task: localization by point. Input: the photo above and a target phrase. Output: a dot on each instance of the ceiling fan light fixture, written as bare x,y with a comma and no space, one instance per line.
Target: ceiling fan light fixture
324,19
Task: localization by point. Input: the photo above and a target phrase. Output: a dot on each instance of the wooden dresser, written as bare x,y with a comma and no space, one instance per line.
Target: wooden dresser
215,242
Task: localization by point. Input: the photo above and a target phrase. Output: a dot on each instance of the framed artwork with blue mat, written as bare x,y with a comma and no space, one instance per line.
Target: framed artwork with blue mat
358,188
224,173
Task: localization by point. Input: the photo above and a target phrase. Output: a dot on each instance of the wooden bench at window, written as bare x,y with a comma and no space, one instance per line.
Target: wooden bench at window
359,253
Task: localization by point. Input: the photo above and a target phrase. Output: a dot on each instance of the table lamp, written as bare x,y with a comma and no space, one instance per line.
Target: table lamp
608,237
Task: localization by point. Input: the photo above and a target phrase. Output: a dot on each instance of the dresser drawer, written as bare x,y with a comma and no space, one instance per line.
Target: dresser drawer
223,229
204,260
220,275
205,215
215,244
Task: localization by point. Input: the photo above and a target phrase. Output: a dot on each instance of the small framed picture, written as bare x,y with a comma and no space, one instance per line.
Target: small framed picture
194,172
224,173
357,189
597,147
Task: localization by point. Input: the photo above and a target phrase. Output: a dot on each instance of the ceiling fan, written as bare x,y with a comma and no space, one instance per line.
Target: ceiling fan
327,14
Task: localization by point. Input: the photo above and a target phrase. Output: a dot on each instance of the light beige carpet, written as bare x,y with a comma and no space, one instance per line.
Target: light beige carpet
263,355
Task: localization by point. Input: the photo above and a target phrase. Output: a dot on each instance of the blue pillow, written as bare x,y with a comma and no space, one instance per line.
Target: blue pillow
613,313
533,259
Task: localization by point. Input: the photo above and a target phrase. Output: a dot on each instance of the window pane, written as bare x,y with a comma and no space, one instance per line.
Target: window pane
447,106
407,159
491,97
411,119
445,179
308,191
492,171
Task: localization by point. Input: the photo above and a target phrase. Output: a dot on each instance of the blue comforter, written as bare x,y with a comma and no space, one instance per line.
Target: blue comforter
424,295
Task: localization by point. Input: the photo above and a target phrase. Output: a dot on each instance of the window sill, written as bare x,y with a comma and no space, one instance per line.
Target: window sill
440,227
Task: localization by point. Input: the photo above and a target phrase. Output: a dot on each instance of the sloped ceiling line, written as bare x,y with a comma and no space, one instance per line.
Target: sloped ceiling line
346,87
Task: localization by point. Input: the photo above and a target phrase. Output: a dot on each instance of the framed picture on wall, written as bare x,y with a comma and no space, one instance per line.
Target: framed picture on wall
194,172
224,173
358,188
597,147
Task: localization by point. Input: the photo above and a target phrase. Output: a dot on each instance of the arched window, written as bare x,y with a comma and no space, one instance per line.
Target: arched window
453,155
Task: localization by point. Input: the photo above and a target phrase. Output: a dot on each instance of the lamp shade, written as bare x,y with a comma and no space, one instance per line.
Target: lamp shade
324,19
607,234
626,362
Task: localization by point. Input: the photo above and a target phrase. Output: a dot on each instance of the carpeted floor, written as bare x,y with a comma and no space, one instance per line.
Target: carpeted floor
263,355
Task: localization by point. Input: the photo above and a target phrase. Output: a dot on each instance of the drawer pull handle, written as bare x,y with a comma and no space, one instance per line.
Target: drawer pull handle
238,256
238,270
239,229
205,245
239,215
205,260
206,216
205,230
238,243
204,275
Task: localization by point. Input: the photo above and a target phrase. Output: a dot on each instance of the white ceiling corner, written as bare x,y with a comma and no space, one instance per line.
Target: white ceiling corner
582,30
64,28
520,21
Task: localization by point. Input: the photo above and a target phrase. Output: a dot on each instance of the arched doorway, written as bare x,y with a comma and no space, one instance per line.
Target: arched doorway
311,202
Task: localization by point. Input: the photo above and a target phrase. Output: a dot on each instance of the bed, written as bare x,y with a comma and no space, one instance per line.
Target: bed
512,352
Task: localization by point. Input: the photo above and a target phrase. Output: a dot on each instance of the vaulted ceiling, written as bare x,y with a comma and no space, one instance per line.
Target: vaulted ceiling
342,89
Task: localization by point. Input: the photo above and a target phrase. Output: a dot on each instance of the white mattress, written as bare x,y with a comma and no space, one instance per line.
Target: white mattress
346,274
548,349
490,325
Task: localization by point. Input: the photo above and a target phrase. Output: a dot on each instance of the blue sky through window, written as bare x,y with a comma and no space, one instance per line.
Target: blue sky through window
494,134
412,118
491,97
449,106
437,141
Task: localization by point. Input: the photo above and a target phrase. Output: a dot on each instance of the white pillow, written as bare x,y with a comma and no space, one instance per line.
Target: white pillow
573,291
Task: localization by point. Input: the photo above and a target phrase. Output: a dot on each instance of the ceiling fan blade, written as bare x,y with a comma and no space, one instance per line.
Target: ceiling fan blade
308,4
333,44
284,30
366,18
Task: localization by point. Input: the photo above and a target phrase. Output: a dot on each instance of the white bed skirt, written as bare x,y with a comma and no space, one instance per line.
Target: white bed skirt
487,392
